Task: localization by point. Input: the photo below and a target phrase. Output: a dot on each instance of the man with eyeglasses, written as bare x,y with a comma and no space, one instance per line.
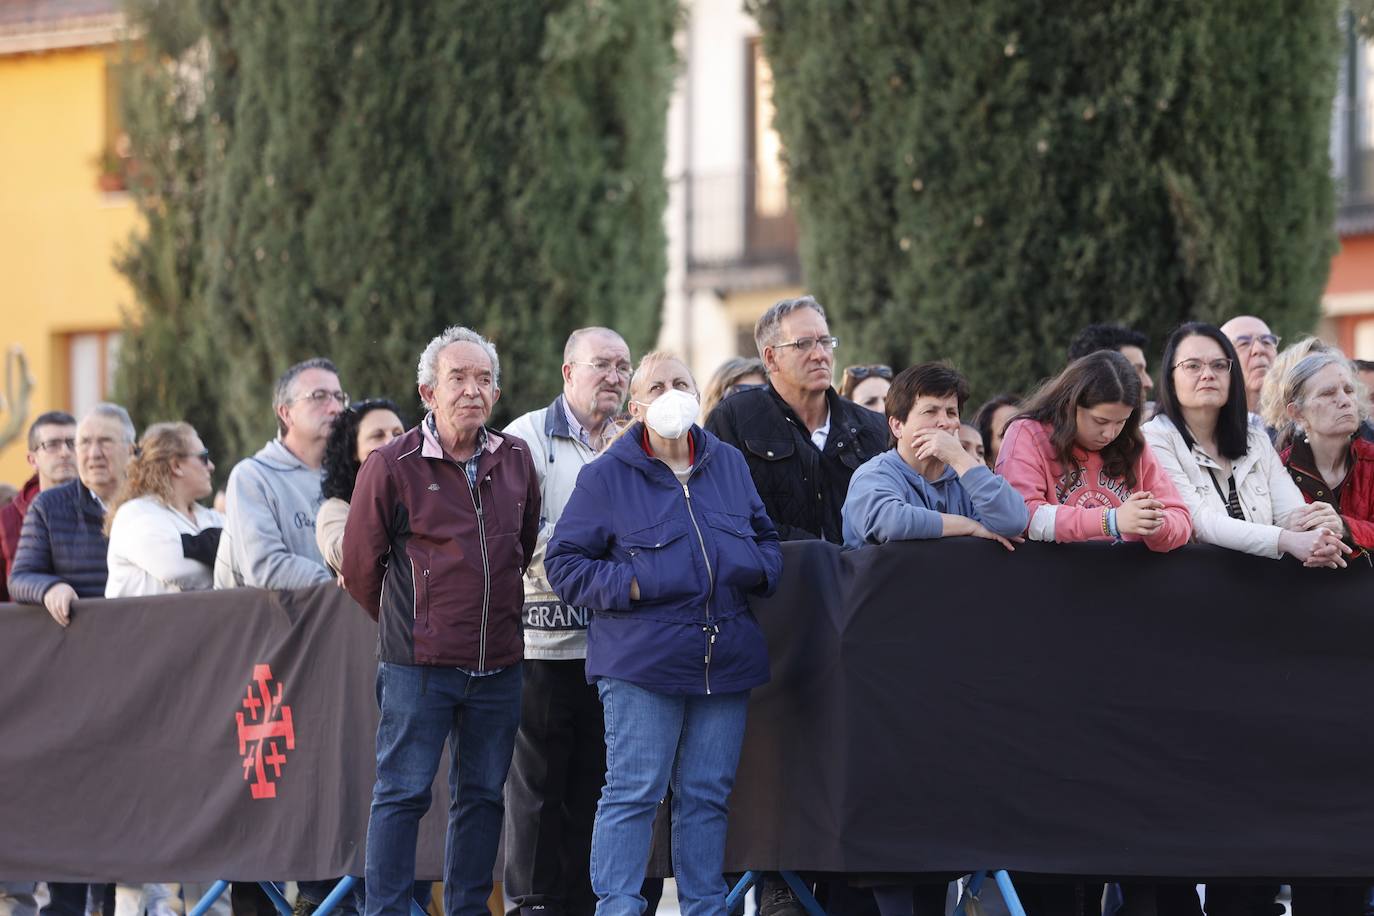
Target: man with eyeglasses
559,765
272,498
1256,346
62,545
52,455
802,442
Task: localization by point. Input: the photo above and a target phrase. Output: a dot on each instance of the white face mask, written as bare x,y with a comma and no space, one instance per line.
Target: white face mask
672,413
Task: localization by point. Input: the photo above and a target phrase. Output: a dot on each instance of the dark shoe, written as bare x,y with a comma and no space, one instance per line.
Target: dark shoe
303,907
776,898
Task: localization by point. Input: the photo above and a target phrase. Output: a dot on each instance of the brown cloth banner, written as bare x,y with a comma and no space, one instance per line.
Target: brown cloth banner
934,706
192,737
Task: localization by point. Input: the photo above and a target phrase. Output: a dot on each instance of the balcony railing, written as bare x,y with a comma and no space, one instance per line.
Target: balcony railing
741,231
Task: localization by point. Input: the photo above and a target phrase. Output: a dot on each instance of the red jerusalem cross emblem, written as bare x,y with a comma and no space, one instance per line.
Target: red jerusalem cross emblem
262,732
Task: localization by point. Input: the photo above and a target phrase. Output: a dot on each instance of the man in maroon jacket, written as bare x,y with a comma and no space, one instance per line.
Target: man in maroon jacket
52,455
442,524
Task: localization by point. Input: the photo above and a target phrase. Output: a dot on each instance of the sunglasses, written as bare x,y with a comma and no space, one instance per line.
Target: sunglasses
203,455
878,370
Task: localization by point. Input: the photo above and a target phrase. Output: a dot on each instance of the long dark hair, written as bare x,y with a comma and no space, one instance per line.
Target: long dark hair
1101,377
982,420
1233,424
341,449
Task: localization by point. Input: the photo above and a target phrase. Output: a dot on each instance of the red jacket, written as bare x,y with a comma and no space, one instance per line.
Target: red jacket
438,564
1353,499
11,523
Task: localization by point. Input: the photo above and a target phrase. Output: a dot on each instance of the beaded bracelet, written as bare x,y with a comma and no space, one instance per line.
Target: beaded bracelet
1106,530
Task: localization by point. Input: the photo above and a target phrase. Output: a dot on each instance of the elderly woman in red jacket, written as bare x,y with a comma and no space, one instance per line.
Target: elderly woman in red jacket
1325,457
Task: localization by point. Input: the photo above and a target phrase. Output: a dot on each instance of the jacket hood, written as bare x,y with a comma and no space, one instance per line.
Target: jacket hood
278,457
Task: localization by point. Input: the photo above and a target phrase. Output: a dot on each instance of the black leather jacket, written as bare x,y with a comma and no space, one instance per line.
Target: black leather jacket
802,487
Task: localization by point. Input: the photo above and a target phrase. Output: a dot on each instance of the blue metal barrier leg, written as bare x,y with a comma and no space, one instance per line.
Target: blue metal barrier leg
807,900
1009,896
345,886
274,893
415,909
736,896
214,893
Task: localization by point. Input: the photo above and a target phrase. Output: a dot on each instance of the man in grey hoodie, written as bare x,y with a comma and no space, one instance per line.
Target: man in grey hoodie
272,497
269,533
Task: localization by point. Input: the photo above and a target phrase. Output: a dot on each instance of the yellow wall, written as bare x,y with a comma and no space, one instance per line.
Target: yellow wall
58,232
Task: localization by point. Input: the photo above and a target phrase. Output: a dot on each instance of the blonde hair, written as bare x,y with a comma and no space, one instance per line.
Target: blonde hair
654,358
1273,402
150,470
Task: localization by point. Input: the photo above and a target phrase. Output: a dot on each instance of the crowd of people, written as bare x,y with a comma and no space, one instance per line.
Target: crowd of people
566,601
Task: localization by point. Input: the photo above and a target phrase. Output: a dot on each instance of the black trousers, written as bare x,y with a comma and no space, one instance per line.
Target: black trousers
70,899
554,785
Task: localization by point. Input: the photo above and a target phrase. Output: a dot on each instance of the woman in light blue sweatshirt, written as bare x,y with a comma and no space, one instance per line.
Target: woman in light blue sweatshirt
928,486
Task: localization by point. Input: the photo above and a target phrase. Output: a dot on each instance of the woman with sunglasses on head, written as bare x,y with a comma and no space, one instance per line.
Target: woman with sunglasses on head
360,430
1236,489
1078,458
867,385
162,540
739,373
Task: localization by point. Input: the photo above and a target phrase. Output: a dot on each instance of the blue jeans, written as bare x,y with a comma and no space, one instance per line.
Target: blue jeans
652,740
422,706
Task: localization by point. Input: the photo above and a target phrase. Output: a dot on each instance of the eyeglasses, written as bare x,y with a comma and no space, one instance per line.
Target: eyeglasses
805,344
1194,366
859,373
203,455
56,445
1267,340
605,367
320,395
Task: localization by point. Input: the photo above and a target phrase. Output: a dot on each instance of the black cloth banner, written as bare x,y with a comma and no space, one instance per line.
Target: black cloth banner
934,706
1090,709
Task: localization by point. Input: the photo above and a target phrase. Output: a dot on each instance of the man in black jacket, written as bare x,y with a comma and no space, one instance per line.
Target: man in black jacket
801,439
802,442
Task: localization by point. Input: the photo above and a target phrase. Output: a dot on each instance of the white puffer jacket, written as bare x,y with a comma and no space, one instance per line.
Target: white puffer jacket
1268,496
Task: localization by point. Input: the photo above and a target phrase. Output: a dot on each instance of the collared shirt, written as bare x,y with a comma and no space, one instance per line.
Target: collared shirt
821,433
580,432
469,464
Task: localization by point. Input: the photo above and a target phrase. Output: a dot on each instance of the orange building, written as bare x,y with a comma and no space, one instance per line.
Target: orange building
63,215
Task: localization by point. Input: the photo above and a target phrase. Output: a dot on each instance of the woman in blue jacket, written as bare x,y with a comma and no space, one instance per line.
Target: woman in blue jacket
663,538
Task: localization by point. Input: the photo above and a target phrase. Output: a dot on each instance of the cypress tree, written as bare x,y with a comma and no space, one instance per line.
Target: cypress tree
376,171
168,364
978,181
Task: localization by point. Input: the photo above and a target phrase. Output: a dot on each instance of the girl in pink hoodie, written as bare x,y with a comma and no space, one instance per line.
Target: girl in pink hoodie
1078,458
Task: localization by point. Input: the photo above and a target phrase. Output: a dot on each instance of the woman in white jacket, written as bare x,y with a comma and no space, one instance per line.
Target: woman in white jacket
162,541
1227,472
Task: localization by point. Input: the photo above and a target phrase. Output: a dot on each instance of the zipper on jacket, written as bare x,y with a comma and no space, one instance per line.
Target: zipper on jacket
476,493
711,629
414,591
711,580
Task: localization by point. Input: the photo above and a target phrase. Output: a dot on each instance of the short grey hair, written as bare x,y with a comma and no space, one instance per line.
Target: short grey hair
427,371
116,413
281,394
768,327
575,338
